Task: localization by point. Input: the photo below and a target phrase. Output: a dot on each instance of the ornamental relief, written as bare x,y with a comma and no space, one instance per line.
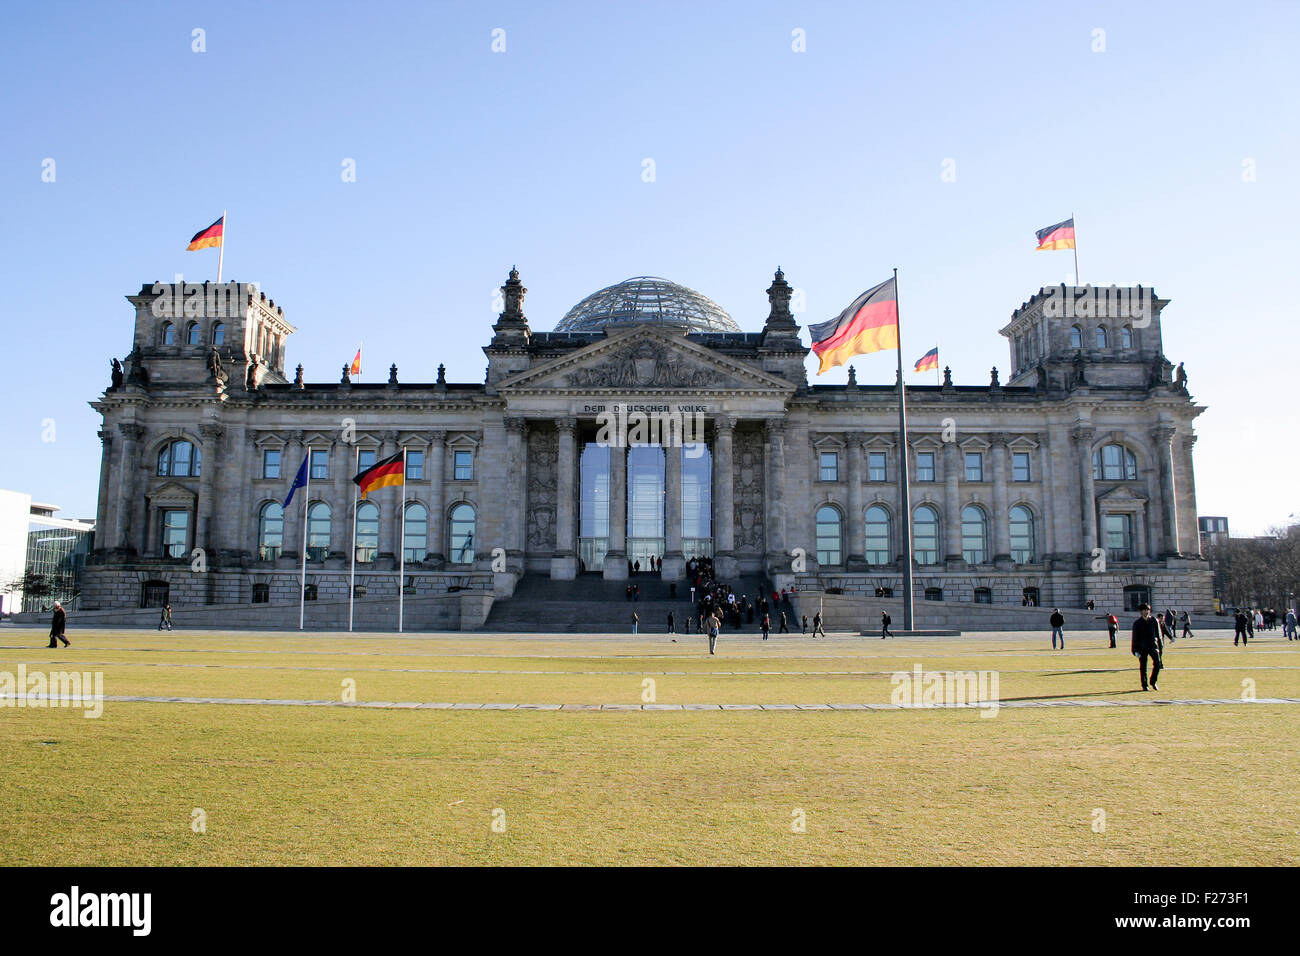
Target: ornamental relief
648,365
747,492
543,447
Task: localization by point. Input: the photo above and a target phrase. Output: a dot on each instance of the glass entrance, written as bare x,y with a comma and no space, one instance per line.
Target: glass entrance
645,504
593,518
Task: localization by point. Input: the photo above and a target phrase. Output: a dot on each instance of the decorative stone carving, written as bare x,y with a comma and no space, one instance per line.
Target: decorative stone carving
542,451
747,493
646,365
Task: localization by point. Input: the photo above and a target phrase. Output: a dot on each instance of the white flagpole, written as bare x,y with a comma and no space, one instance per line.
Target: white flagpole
401,573
1076,248
352,575
221,250
306,502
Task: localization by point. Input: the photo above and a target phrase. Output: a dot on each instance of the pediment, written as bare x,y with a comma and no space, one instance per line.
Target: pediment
1121,493
172,493
644,358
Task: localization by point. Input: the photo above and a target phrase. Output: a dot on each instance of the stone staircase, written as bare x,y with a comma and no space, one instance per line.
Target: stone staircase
592,605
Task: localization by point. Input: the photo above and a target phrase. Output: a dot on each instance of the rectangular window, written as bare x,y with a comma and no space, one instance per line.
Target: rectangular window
175,533
464,466
830,466
415,465
876,466
365,459
974,466
320,464
270,463
1119,537
1020,466
925,466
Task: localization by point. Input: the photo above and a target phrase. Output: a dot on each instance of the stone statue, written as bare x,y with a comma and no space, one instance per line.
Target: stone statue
118,376
1080,378
392,374
346,379
993,382
442,374
1180,377
947,377
297,378
251,381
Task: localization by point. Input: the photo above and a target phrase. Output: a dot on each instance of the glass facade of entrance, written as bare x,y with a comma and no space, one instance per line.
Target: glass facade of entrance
593,508
697,501
645,503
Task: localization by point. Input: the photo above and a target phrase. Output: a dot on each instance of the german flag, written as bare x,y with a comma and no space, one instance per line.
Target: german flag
869,324
1060,236
209,237
355,367
382,474
928,361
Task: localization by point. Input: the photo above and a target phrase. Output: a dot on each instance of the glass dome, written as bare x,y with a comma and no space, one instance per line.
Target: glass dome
647,299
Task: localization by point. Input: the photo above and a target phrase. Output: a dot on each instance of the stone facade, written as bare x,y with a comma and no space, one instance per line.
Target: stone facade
1074,479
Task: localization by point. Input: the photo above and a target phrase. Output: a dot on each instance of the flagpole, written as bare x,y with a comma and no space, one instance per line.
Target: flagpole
302,588
352,575
401,561
221,250
904,475
937,374
1076,248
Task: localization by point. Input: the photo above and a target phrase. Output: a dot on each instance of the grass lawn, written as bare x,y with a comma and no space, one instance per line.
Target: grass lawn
1180,785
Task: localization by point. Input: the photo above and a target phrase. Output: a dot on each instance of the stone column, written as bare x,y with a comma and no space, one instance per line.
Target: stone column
245,525
616,554
1162,439
437,506
674,560
343,458
564,562
1000,517
128,468
724,515
390,511
290,459
105,480
854,548
952,467
516,483
1191,534
1083,437
774,497
211,434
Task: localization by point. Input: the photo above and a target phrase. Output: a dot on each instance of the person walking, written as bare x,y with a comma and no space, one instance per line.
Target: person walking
59,626
672,625
1187,625
714,624
766,625
165,622
1291,624
1146,644
885,620
1112,625
785,627
804,628
1239,623
1057,620
635,620
817,624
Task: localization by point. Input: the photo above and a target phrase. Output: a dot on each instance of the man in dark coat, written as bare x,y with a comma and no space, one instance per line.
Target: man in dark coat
884,625
1146,643
58,626
1057,620
1240,624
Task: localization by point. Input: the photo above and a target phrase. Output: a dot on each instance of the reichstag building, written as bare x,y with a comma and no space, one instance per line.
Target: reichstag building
1071,481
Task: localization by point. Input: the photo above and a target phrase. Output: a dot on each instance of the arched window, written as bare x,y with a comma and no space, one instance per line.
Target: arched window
1114,463
974,535
168,334
877,544
925,535
829,550
1126,338
461,537
219,333
180,459
318,531
367,531
1022,535
1076,337
192,334
417,532
1101,336
270,531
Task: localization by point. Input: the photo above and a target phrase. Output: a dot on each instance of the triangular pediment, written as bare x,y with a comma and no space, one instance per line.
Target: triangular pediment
172,494
1120,493
644,358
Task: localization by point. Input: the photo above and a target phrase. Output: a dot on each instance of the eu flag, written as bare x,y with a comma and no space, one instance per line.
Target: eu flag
299,481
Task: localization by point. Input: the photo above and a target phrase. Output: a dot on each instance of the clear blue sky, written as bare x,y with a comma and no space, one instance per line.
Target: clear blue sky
826,162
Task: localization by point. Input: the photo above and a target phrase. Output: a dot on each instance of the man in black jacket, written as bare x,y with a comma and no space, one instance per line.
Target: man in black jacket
1146,643
58,626
1058,627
